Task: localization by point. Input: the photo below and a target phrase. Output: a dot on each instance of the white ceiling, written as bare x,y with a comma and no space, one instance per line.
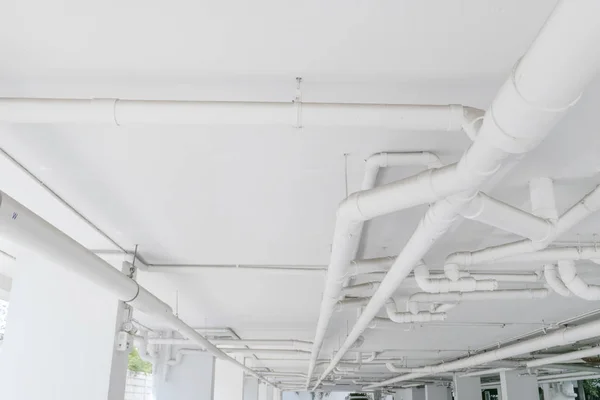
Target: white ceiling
260,195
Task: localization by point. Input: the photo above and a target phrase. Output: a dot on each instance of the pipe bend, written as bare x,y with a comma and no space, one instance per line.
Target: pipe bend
568,274
553,280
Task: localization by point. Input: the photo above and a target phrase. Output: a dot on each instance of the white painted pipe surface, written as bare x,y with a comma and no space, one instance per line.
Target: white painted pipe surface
487,372
468,284
527,250
384,160
292,344
407,318
528,105
22,226
554,281
543,200
457,297
568,274
362,289
561,337
574,355
134,112
508,218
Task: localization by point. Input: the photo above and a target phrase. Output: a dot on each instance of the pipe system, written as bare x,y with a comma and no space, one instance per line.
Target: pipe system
487,372
123,112
543,86
554,281
568,274
574,355
508,218
562,337
466,284
528,250
20,225
382,160
456,297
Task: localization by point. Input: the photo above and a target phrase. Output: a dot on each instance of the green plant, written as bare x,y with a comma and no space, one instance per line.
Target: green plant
136,364
592,389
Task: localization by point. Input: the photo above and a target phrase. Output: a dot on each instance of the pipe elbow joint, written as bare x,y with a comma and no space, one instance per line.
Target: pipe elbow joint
452,270
349,210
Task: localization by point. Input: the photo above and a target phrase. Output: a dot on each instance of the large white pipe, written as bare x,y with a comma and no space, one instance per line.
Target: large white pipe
20,225
132,112
574,355
457,297
568,274
508,218
554,281
562,337
528,105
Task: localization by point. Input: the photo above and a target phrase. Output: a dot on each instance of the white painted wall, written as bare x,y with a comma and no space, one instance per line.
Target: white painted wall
60,330
250,388
433,392
229,381
262,391
515,385
193,379
468,388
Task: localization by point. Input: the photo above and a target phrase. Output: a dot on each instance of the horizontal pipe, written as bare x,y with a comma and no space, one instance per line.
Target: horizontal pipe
562,337
574,355
384,160
20,225
199,268
123,112
487,372
562,379
294,344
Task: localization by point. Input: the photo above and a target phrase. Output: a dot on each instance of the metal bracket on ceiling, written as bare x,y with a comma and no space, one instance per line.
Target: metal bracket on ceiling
298,102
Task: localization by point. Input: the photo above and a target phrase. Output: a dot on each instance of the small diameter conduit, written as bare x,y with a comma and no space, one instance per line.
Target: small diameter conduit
22,226
565,336
546,82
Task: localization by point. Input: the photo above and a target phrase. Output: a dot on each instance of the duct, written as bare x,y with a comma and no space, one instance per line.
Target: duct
574,355
292,344
508,218
22,226
406,318
456,297
527,250
122,112
361,289
568,274
546,82
467,284
383,160
553,280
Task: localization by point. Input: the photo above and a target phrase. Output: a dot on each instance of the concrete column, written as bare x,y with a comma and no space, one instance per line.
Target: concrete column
60,337
433,392
250,388
404,394
229,381
269,392
468,388
518,386
192,379
547,391
276,394
580,391
262,391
